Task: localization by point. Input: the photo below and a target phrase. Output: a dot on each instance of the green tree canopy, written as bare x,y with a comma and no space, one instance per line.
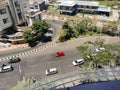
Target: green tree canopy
28,35
39,28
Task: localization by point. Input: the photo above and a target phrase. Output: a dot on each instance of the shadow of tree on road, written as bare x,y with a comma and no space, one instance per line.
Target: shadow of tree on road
44,39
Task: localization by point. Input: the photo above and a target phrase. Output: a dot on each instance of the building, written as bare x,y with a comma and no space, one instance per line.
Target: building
87,6
72,6
14,13
67,7
32,10
16,10
92,8
5,18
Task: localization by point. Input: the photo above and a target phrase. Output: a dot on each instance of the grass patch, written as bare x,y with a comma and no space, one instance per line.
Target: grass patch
101,57
105,57
53,10
83,50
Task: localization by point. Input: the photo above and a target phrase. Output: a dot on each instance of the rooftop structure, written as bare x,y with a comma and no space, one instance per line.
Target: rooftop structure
67,3
104,9
88,3
71,6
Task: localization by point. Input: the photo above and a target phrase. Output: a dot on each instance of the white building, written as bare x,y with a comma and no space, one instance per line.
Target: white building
14,13
25,11
32,10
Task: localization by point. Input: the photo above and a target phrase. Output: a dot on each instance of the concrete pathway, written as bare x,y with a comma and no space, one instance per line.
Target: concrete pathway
13,47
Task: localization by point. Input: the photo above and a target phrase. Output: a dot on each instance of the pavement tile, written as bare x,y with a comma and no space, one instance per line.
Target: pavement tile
69,84
77,82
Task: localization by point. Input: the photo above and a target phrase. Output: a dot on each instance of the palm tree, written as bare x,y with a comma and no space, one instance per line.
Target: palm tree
25,83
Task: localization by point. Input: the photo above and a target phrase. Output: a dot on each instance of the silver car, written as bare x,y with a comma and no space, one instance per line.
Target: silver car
6,68
78,62
51,71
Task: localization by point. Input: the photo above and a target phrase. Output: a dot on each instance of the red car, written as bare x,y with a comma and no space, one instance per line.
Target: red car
61,53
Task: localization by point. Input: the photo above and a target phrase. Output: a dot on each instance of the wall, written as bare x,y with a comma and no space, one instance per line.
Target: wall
3,16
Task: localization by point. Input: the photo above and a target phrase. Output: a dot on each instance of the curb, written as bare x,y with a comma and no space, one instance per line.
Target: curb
27,52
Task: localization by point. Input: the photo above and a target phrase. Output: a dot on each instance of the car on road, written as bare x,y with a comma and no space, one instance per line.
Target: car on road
6,68
78,62
14,60
51,71
61,53
99,49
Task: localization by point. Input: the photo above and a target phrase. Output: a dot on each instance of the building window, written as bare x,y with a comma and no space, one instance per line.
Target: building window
36,7
2,11
17,4
5,20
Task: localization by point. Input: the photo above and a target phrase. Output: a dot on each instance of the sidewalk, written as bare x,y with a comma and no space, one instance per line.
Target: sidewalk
60,18
13,47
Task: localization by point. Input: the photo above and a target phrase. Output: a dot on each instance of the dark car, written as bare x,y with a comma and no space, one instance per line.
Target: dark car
14,60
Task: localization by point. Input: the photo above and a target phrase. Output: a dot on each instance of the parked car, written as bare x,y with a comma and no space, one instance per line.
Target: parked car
61,53
99,49
14,60
78,62
6,68
51,71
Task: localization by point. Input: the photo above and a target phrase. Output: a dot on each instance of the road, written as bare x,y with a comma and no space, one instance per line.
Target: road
35,64
56,25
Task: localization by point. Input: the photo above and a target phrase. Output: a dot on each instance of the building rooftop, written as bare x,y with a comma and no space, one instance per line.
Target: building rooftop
104,8
35,1
67,3
88,3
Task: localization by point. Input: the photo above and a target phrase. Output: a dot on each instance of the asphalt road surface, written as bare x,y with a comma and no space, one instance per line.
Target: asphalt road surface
34,65
55,26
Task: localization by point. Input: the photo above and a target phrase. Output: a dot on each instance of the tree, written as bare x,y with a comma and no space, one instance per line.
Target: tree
66,25
99,41
80,28
110,28
87,22
40,28
28,35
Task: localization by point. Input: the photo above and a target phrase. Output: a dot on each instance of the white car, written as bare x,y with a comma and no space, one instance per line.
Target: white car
51,71
78,62
99,49
6,68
